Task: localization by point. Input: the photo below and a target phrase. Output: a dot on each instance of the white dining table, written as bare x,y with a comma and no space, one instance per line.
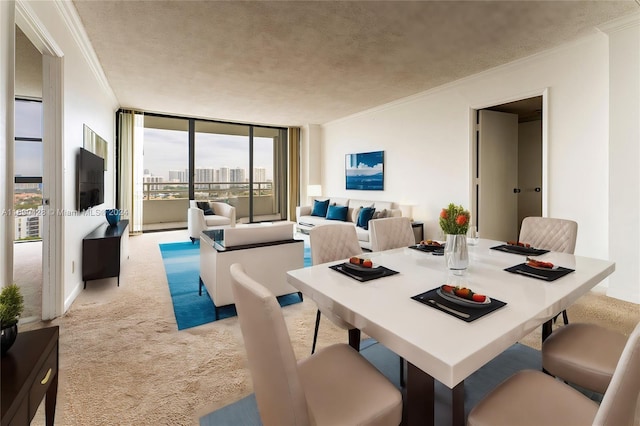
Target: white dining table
436,345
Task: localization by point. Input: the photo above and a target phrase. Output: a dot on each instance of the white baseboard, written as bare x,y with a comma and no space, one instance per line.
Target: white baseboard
74,294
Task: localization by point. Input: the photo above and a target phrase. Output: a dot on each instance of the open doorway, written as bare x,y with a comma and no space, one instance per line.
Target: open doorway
50,71
508,167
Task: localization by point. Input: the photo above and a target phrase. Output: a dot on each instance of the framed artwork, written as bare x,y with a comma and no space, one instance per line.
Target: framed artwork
365,171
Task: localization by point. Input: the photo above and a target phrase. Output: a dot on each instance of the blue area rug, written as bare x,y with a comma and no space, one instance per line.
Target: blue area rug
307,255
182,266
518,357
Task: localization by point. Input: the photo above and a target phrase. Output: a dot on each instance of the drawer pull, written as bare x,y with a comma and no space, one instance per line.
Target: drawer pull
46,378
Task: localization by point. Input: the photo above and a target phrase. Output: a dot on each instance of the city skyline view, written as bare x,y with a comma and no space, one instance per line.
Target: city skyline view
212,151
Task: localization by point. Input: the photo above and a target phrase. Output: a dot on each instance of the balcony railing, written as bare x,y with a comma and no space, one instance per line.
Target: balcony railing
167,202
204,190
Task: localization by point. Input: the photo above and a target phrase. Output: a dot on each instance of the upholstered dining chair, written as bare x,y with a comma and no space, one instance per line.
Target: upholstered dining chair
583,354
335,386
534,398
390,233
329,243
550,234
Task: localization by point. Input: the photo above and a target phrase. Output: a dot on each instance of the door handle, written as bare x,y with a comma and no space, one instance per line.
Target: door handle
537,189
516,190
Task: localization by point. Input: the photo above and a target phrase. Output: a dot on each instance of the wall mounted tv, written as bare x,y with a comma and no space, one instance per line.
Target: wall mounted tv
90,180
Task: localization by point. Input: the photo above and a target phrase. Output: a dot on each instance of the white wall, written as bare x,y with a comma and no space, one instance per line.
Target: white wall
310,159
624,161
86,101
426,139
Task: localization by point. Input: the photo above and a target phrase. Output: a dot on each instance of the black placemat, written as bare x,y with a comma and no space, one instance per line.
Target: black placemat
427,249
473,313
508,248
541,274
364,277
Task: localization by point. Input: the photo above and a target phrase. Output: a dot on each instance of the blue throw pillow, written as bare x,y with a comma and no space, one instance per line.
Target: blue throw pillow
320,208
365,215
337,213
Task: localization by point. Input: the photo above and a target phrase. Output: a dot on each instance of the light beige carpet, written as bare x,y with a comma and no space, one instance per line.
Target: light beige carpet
123,361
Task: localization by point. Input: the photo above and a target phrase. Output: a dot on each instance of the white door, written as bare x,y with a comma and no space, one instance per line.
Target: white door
530,169
497,176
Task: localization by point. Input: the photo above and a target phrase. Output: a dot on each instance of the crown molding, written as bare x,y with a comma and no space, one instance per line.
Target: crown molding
35,31
621,24
74,24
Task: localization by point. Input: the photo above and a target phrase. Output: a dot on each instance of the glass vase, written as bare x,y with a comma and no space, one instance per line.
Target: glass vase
456,254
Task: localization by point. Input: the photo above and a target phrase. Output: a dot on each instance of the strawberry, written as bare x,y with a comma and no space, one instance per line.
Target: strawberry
447,288
479,298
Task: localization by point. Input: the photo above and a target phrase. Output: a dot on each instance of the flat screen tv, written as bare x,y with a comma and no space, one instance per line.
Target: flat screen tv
90,181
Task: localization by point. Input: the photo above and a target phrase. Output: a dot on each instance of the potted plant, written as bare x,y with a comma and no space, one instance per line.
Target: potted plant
11,307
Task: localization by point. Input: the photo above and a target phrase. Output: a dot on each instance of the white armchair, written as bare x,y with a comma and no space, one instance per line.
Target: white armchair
224,217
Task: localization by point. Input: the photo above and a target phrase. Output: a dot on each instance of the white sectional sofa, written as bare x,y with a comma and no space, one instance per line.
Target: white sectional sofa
306,221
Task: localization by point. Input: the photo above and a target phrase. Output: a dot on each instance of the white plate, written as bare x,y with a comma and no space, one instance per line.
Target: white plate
540,268
462,301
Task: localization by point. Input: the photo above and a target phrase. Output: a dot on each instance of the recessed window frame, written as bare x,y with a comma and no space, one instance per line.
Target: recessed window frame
280,190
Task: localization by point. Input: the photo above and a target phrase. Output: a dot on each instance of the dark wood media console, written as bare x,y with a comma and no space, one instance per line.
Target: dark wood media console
102,251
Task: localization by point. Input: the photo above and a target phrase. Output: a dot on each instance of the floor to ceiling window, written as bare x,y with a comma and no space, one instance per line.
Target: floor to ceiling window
27,196
241,164
27,204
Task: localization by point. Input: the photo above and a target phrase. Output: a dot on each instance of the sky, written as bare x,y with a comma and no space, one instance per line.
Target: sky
28,123
168,150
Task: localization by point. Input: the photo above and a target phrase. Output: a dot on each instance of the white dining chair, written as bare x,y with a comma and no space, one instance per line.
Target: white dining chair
390,233
329,243
532,398
335,386
550,234
583,354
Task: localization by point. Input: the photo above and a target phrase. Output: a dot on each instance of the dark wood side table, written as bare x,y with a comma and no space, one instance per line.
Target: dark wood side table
418,231
102,252
29,370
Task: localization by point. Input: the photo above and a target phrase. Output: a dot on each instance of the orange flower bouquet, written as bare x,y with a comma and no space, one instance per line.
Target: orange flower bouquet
454,220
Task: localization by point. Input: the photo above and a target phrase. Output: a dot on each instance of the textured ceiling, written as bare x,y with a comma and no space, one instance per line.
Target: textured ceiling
293,63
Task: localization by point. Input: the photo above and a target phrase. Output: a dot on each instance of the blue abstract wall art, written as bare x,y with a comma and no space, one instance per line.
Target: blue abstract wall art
365,171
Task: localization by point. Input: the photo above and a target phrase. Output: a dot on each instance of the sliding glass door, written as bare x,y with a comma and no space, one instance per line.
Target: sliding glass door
241,164
236,163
